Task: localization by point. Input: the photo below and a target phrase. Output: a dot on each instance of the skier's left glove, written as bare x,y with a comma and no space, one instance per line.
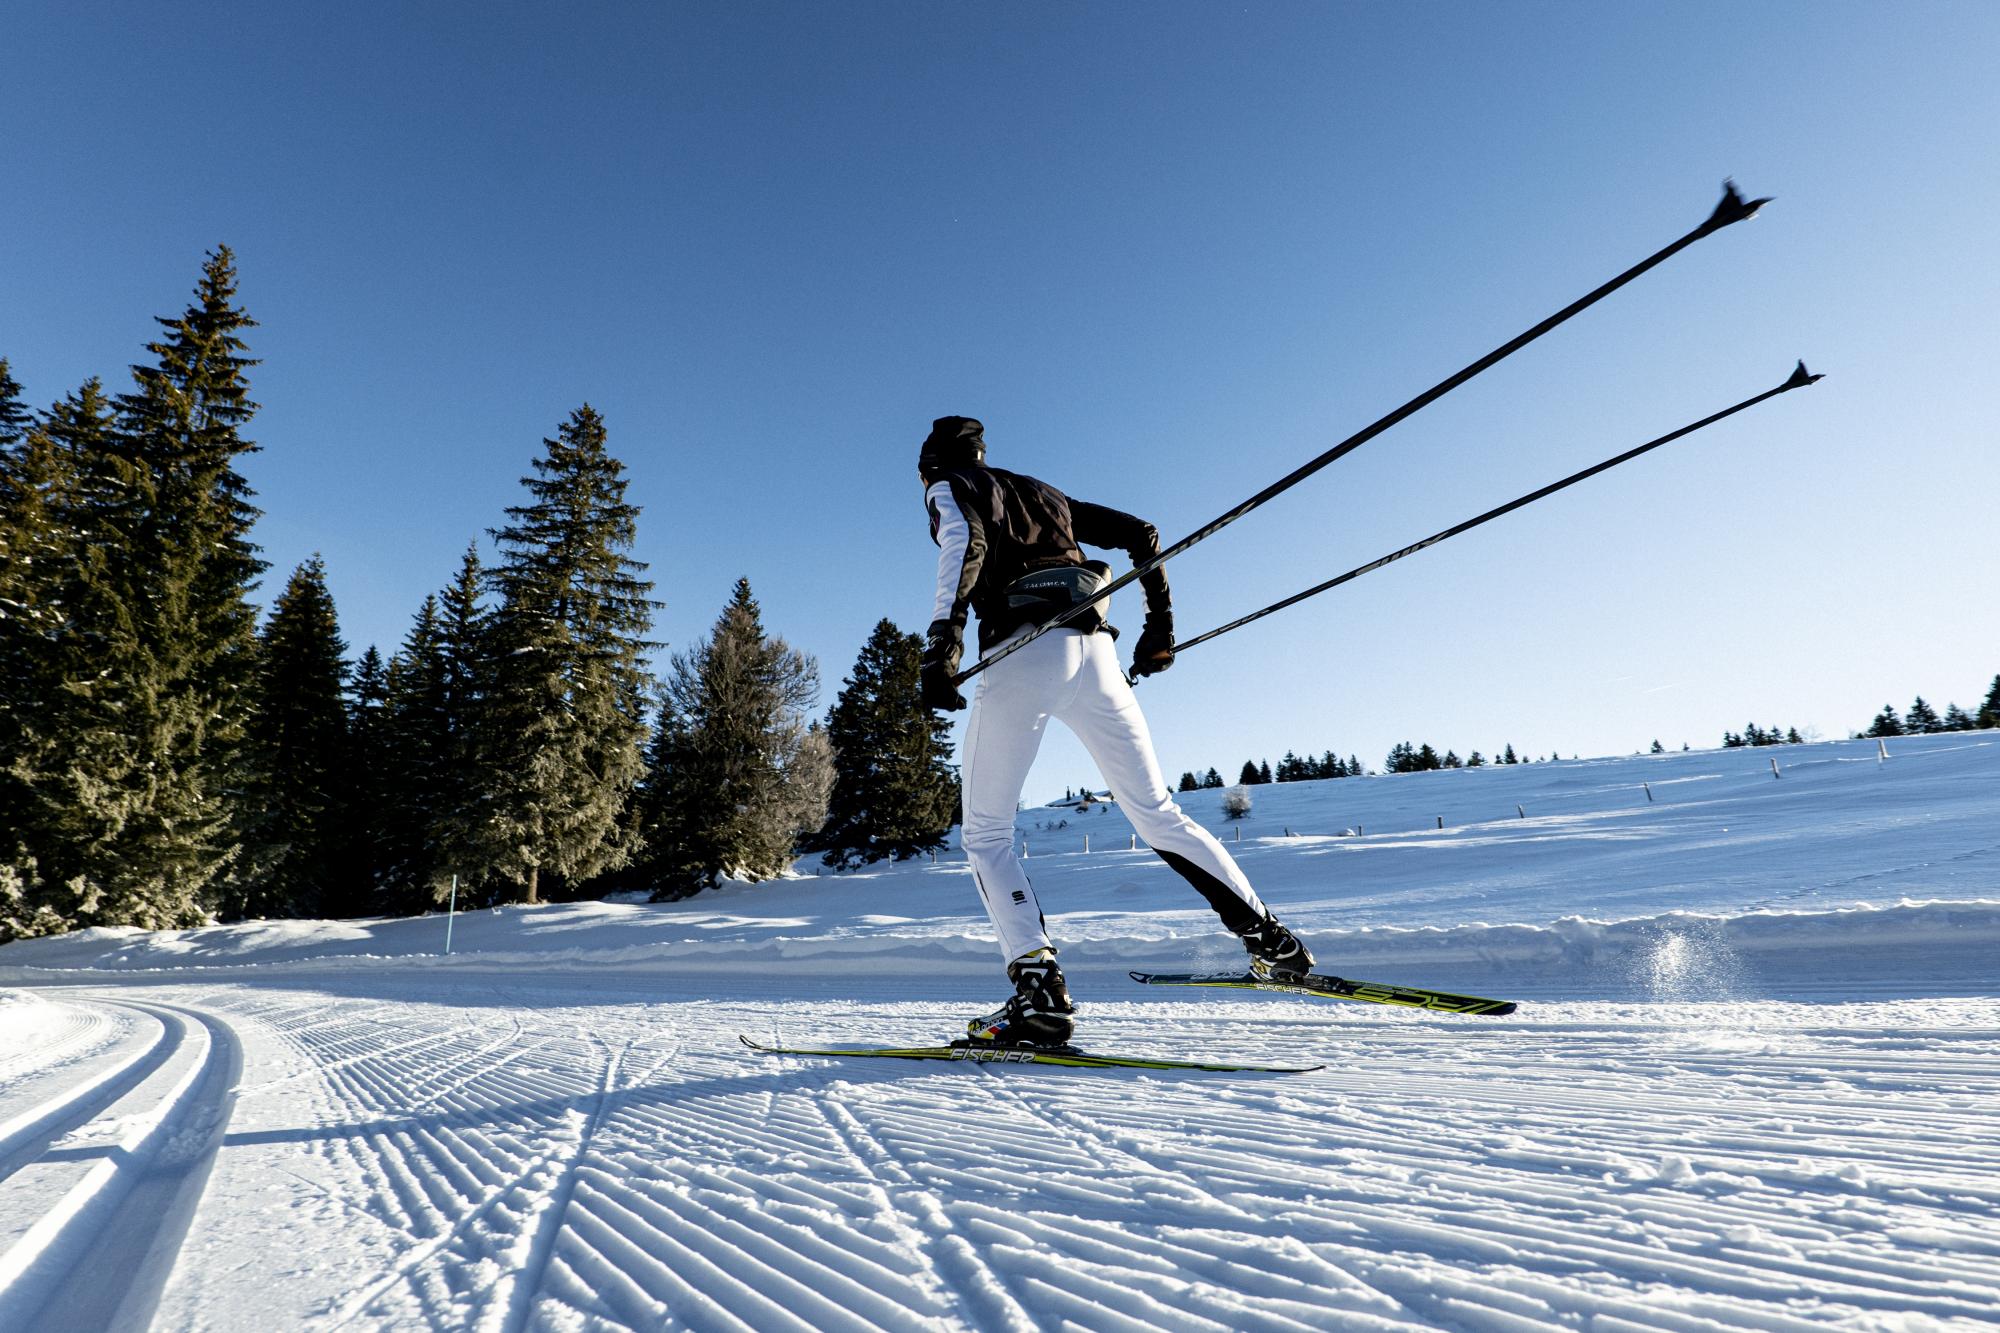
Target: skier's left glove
944,644
1154,652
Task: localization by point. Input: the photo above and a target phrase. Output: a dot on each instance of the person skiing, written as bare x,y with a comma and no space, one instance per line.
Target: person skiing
1008,551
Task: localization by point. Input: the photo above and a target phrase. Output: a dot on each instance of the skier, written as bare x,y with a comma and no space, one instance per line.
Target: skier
1007,549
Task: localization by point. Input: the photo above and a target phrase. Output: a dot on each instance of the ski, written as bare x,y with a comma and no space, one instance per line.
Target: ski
1335,988
1068,1057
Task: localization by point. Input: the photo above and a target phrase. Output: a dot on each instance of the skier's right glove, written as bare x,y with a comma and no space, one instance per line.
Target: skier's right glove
944,644
1154,652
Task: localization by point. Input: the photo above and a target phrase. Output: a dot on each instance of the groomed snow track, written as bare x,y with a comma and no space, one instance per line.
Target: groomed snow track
462,1151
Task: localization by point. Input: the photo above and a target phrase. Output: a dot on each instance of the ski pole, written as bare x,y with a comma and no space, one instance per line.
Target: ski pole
1800,378
1733,208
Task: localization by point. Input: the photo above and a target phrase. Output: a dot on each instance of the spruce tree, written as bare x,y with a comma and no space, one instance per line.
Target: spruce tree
1957,719
194,569
459,797
564,720
1211,780
1248,777
1475,760
895,790
1886,723
429,771
1189,782
1922,719
295,860
36,481
1509,757
365,858
1989,710
112,831
735,774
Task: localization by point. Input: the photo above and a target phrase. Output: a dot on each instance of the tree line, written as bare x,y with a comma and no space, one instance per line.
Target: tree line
1923,720
168,757
1403,758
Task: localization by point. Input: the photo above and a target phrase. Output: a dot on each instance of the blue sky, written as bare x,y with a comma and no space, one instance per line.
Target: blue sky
1166,253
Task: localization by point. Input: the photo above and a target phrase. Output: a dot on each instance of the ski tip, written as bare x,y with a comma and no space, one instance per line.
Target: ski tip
1802,377
747,1042
1733,208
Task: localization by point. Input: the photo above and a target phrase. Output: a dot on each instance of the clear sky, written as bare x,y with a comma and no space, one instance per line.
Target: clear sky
1166,252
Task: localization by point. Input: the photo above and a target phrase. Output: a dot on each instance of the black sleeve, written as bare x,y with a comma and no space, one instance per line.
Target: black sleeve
1094,525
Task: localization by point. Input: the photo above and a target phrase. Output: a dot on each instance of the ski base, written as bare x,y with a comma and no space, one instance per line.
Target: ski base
1335,988
1068,1057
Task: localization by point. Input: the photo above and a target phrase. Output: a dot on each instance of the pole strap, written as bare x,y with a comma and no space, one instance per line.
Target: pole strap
1733,208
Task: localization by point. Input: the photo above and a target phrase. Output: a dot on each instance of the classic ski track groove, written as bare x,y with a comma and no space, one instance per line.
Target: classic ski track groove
568,1161
99,1254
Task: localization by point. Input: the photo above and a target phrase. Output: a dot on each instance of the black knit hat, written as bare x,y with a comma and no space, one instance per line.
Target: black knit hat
953,442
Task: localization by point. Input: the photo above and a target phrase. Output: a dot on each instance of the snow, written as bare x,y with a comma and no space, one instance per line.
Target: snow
1754,1081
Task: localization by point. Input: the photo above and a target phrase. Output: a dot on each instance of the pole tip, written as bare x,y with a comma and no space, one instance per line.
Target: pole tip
1802,377
1733,208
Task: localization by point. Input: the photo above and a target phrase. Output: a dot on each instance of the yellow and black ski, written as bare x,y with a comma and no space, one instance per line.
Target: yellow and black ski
1334,988
984,1053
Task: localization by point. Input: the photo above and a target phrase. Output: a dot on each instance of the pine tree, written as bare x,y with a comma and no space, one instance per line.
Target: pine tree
564,721
462,795
432,776
36,481
895,791
1957,719
1657,747
1211,780
734,774
1451,760
1792,737
1509,757
369,759
423,775
115,828
1188,782
295,854
192,568
1886,723
1264,771
1248,777
1922,719
1989,710
1475,760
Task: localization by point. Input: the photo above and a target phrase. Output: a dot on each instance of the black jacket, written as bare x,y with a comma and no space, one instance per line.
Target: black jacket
1014,525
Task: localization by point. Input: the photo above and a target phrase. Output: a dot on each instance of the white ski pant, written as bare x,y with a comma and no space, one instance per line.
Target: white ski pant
1074,678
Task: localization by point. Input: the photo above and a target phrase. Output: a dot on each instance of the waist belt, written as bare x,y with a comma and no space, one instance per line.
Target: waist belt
1043,594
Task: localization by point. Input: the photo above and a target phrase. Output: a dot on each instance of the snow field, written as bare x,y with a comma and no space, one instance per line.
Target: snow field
546,1153
1754,1083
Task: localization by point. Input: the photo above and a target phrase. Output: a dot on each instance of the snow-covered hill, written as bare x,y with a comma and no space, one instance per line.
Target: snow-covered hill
1754,1082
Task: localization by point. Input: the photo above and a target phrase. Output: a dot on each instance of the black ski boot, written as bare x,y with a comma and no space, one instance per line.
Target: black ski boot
1275,953
1039,1013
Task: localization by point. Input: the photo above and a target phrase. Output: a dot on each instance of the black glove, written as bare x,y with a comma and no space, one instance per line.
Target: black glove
944,644
1154,652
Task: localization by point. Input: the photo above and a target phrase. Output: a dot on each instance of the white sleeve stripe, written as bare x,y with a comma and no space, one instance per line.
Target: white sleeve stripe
953,536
